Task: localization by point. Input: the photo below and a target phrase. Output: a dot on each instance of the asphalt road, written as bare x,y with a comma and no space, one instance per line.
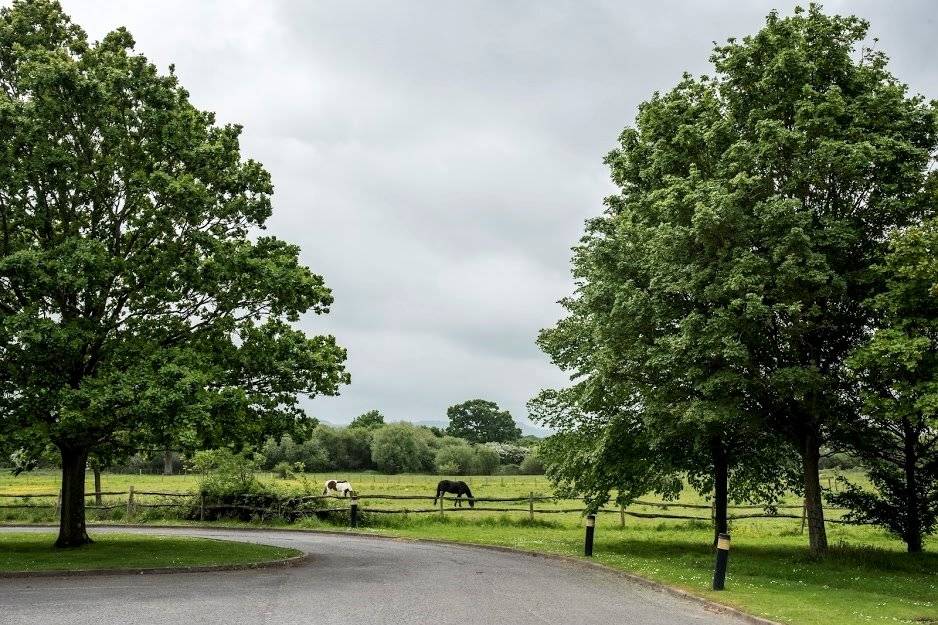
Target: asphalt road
354,580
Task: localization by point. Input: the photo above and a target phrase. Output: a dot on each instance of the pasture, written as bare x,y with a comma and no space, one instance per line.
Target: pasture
866,578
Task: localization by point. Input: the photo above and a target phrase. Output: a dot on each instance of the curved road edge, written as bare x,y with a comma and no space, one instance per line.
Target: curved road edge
305,558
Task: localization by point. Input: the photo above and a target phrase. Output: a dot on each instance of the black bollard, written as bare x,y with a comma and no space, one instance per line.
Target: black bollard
723,554
590,529
353,512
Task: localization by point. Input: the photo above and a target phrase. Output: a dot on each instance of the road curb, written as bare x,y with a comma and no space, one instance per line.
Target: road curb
708,604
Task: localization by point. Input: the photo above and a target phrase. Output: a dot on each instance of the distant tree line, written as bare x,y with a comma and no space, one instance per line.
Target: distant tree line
369,444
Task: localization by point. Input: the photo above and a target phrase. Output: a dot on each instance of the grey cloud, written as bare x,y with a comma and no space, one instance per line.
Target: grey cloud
435,161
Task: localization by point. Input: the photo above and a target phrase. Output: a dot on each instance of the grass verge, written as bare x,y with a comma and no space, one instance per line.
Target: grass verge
32,551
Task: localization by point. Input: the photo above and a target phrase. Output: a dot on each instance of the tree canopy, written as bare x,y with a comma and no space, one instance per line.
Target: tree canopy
140,301
481,421
723,289
369,420
896,371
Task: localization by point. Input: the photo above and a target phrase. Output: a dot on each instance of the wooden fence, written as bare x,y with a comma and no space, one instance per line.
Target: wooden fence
301,505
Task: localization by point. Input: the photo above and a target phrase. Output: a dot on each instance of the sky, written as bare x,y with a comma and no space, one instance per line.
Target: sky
435,161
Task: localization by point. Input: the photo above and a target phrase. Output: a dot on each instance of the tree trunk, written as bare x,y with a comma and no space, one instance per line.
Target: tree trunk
814,504
720,491
167,462
912,532
72,531
97,485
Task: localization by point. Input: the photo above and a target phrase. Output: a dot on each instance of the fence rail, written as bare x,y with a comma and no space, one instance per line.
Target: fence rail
294,506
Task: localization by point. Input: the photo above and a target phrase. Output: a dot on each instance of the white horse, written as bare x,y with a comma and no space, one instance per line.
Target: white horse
338,487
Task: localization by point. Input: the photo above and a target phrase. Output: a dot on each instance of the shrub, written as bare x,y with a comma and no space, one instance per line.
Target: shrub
448,468
400,448
532,465
224,472
508,453
486,460
508,469
455,460
287,471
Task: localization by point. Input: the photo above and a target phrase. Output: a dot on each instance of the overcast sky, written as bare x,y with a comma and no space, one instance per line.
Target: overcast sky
435,160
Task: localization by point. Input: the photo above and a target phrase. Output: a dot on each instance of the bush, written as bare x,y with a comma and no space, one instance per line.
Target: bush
532,465
455,460
400,448
448,468
508,453
287,471
486,460
224,472
508,469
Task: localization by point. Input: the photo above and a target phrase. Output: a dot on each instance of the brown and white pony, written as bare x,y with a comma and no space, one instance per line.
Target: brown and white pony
338,487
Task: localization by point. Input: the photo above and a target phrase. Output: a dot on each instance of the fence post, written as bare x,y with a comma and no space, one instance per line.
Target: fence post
97,485
723,554
590,529
531,505
442,497
202,506
622,516
130,502
804,516
58,506
353,511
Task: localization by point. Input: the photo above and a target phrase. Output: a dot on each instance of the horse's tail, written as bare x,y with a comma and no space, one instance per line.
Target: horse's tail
437,496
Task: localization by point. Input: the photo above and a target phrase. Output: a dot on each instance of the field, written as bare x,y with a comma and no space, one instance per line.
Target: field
866,578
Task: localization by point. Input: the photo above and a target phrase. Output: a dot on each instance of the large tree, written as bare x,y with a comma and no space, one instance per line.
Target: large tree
897,372
481,421
653,330
139,302
813,151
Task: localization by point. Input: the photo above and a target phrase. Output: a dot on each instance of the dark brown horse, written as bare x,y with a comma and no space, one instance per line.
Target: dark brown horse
457,488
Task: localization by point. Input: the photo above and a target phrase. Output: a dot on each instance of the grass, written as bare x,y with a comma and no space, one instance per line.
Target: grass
32,551
866,578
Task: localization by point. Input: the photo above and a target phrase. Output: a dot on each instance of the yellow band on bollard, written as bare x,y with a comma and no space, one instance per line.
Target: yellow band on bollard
723,543
591,521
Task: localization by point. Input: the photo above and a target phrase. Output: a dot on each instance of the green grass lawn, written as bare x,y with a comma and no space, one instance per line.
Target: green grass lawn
866,578
31,551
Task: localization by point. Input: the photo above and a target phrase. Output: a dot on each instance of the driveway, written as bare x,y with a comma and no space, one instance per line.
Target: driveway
355,580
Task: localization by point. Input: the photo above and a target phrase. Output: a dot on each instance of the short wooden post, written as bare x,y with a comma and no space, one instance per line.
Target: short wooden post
97,485
804,516
622,516
353,511
442,497
130,502
58,506
202,506
531,505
